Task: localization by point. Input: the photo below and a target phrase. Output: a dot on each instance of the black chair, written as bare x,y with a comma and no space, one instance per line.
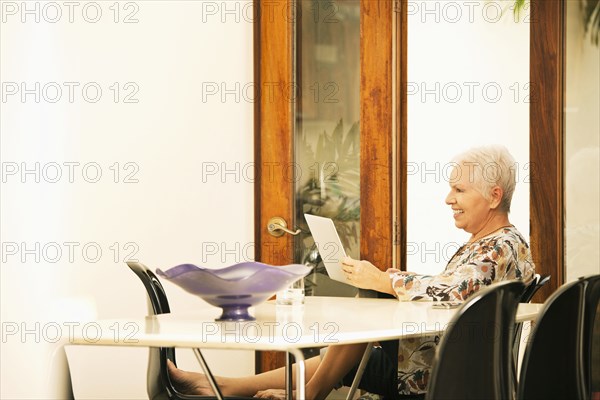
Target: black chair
528,293
474,358
553,362
592,301
535,285
159,384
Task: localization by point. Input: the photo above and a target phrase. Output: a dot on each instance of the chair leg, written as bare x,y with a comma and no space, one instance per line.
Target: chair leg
360,371
209,375
289,383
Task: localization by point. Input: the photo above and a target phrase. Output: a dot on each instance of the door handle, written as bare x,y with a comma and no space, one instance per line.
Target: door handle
277,227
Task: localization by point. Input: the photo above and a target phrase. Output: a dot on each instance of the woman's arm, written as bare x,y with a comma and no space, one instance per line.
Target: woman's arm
406,286
465,275
467,272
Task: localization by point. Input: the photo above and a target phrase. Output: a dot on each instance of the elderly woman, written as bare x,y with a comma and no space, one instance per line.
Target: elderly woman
481,188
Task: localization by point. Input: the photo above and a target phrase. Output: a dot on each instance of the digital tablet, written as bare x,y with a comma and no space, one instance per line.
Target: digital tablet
329,245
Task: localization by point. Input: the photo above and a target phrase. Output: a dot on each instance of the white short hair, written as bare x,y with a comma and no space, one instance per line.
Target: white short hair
490,166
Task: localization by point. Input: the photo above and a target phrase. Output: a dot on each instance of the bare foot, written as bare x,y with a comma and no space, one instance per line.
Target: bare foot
272,394
189,382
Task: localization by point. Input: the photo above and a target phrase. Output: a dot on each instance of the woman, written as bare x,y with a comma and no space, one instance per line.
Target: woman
481,188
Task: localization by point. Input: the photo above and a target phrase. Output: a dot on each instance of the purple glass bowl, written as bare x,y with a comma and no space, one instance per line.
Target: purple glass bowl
237,287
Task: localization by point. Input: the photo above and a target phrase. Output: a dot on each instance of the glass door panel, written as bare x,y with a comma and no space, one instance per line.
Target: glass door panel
327,130
582,124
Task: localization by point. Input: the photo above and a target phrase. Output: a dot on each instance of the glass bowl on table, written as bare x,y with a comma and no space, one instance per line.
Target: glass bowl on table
235,288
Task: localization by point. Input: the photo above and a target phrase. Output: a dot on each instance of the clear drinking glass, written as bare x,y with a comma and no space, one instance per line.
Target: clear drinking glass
292,295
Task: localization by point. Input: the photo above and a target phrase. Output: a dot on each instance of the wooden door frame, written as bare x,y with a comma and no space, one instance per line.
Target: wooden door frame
376,130
273,150
546,133
401,131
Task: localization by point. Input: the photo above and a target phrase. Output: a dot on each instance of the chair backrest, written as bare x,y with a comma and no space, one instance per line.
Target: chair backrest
159,385
530,289
474,358
553,363
543,280
591,317
156,293
535,285
537,282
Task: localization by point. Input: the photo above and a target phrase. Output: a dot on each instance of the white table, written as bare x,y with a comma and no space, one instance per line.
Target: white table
322,321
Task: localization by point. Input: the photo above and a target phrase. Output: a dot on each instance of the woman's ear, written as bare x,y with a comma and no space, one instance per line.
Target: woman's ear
496,197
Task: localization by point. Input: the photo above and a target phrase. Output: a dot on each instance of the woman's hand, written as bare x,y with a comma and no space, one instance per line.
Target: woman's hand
365,275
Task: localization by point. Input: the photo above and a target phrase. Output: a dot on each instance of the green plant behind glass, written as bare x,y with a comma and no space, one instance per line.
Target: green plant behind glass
590,12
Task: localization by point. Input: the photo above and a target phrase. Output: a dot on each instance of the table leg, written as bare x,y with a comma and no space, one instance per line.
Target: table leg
360,371
289,386
208,373
300,375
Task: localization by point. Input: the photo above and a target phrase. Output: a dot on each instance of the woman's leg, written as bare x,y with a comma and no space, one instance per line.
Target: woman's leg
336,363
321,375
196,383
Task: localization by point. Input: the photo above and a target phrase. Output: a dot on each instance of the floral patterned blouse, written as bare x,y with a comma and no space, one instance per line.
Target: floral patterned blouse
500,256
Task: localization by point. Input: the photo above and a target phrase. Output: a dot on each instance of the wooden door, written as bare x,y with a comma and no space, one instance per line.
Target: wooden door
381,219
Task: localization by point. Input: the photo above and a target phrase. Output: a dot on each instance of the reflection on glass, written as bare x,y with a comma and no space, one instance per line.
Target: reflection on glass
582,154
327,147
582,127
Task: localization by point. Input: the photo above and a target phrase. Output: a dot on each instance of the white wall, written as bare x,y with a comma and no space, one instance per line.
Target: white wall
166,214
468,74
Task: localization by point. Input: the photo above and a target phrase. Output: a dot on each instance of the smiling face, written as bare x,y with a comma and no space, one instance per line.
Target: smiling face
472,211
